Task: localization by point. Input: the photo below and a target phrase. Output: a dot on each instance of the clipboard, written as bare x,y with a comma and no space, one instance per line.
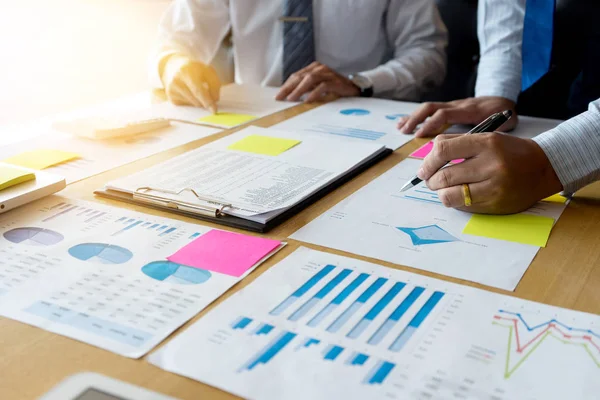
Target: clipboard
215,211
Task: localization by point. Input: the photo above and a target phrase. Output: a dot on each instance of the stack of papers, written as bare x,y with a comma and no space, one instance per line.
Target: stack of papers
258,173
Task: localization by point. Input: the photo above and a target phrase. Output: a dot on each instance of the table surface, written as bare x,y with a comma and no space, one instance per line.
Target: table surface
566,273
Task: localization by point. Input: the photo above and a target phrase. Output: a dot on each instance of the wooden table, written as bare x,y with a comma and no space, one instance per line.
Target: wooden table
566,273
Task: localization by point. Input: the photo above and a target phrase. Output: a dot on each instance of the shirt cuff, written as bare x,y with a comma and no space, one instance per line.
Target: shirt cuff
572,148
382,78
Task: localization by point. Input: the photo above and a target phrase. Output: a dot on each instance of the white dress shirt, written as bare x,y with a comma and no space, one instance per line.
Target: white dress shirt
398,44
573,149
500,34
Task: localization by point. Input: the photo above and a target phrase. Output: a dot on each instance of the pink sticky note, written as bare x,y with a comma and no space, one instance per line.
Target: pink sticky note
224,252
422,152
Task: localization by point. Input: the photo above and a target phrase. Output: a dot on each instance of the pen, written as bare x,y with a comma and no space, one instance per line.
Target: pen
491,123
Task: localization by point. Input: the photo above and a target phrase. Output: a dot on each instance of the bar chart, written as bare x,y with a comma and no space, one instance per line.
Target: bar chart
133,223
321,326
356,309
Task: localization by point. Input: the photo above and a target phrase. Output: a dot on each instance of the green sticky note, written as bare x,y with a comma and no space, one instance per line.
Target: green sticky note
227,119
10,176
41,158
267,145
556,198
520,228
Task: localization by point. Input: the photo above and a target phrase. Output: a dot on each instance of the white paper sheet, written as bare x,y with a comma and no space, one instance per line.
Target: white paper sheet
254,100
321,326
376,119
99,274
98,156
255,184
381,222
360,119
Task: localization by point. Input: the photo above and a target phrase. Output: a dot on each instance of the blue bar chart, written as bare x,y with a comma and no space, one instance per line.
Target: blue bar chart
338,318
302,290
338,300
417,320
375,310
350,311
332,284
132,224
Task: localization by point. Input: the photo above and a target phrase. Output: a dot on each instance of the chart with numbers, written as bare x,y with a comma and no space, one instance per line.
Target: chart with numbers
100,275
322,326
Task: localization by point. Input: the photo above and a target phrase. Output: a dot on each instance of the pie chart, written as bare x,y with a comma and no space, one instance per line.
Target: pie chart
393,117
355,111
101,253
33,236
167,271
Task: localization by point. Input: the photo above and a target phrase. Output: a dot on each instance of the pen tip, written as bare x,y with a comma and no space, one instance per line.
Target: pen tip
507,113
406,186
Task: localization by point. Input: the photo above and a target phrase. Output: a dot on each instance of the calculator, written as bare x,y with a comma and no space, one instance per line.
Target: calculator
109,127
92,386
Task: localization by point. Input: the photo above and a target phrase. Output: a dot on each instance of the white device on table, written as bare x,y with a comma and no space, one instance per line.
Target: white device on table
109,127
92,386
43,185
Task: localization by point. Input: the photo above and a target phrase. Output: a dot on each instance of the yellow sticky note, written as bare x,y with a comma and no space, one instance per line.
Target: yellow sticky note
227,119
270,146
520,228
41,158
556,198
10,176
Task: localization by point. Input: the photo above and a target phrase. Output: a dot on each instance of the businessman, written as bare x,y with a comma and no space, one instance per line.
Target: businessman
535,58
506,174
392,48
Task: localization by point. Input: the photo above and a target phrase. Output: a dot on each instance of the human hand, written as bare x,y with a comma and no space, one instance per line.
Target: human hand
316,81
505,174
189,82
469,111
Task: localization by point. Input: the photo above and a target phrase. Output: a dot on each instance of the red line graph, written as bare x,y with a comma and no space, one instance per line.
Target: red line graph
520,347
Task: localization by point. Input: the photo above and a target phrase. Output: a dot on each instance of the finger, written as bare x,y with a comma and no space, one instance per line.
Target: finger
469,171
288,86
401,122
317,93
201,93
420,115
294,80
441,120
180,96
454,196
186,93
214,83
308,83
447,148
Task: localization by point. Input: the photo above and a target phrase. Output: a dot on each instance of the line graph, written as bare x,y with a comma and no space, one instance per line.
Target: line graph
550,329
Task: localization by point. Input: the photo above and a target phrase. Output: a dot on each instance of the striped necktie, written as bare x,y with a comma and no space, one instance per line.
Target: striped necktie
538,32
298,37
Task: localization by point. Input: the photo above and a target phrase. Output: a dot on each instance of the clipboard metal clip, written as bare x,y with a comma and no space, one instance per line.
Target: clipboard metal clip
143,195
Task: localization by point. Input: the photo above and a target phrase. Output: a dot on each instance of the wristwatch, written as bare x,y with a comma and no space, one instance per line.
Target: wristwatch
363,83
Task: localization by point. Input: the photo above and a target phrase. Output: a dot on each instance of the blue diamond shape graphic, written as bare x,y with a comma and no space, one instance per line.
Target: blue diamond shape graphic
429,234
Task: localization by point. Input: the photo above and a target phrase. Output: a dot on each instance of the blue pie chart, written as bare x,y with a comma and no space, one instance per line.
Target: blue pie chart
101,253
33,236
167,271
393,117
359,112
